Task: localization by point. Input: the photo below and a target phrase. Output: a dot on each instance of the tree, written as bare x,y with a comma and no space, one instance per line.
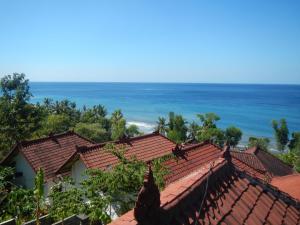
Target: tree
295,141
208,129
66,200
281,133
177,130
215,135
20,204
54,124
161,125
18,118
120,184
133,131
97,114
6,176
64,107
233,135
208,119
94,187
261,143
193,130
118,125
93,131
39,194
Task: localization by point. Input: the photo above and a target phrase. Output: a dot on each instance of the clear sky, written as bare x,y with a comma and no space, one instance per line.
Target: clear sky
152,41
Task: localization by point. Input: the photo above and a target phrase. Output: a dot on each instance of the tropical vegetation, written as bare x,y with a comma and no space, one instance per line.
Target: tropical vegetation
113,191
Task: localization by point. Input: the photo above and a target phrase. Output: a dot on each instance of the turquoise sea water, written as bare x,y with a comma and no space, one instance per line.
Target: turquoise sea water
249,107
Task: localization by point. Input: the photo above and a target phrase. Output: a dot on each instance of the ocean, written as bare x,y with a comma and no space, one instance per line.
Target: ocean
250,107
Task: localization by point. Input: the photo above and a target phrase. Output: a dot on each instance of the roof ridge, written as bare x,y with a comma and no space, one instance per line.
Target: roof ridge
124,141
38,140
197,177
242,152
192,147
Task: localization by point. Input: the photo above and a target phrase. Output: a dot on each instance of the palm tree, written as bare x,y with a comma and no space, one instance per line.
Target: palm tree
193,130
116,115
161,126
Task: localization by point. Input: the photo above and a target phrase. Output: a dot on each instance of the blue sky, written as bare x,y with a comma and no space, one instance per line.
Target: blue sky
151,41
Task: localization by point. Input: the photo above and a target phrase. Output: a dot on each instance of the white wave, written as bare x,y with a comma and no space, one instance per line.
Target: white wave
145,127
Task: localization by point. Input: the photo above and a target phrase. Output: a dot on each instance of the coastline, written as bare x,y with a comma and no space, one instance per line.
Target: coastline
247,106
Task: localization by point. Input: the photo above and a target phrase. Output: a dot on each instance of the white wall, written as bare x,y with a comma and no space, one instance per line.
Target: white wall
78,172
27,179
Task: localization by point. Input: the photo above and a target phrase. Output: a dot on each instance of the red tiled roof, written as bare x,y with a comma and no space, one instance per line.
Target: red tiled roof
289,184
217,194
249,163
49,153
189,159
271,163
146,147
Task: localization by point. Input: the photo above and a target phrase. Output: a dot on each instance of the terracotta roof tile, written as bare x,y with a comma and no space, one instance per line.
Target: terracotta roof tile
217,193
249,163
146,147
189,159
272,164
289,184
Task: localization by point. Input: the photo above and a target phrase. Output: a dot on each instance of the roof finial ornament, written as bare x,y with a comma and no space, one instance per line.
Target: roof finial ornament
148,200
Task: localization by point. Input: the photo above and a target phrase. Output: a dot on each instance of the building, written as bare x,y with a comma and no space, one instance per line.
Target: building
71,154
48,153
216,193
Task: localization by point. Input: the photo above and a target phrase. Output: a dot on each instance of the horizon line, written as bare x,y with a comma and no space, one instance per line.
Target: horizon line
162,82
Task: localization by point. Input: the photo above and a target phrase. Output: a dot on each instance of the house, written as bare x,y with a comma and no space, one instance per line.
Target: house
71,154
146,147
216,193
260,164
48,153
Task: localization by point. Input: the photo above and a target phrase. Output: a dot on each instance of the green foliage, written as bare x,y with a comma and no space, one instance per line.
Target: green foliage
133,131
97,115
208,119
119,184
54,124
18,118
177,130
281,133
295,141
94,187
64,107
66,200
20,204
6,176
93,131
193,130
39,194
261,143
118,125
291,158
215,135
161,125
233,135
208,129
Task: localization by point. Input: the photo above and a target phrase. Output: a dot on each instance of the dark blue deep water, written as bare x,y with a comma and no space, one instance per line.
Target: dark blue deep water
249,107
